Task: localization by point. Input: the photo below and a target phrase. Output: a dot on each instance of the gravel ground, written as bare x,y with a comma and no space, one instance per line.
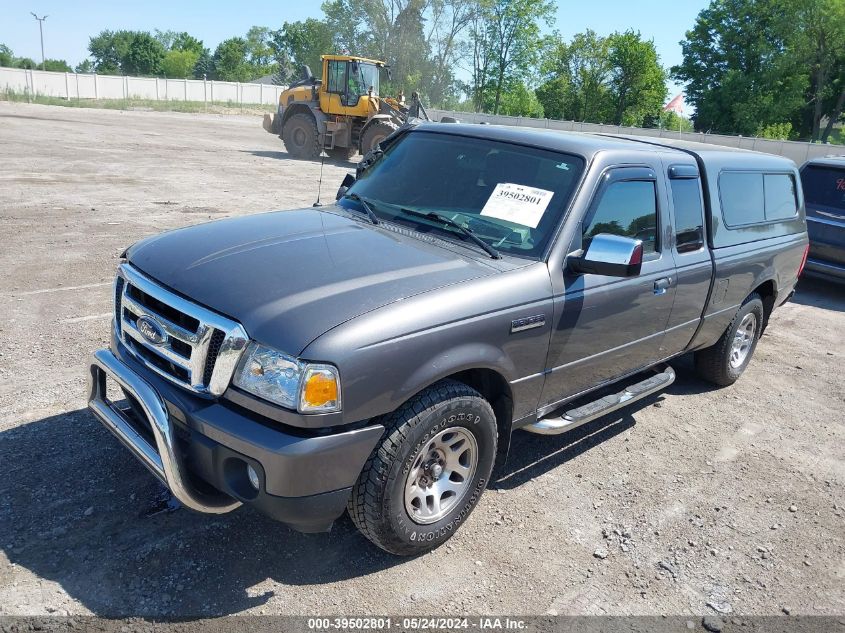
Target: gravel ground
700,501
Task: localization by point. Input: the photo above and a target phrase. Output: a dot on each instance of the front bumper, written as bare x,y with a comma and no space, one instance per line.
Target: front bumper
201,448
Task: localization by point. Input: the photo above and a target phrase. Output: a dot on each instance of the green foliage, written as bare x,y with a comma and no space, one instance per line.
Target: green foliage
506,41
672,121
299,44
144,56
85,66
109,50
178,63
518,100
204,67
230,60
25,62
777,131
752,63
615,79
6,56
179,41
57,65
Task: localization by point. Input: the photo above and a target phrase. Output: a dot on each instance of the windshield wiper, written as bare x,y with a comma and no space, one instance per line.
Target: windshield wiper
368,208
432,215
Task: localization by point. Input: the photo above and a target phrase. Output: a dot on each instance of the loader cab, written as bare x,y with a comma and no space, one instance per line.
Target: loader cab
346,86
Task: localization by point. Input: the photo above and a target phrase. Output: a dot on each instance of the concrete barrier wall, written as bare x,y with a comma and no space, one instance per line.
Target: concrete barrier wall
796,150
91,86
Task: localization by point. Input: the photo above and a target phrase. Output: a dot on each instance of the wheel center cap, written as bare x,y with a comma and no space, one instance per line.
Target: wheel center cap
436,471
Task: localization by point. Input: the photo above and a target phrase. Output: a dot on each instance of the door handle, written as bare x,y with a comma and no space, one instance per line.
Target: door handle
662,285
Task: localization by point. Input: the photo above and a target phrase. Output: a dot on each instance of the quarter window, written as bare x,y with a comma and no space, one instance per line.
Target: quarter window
627,208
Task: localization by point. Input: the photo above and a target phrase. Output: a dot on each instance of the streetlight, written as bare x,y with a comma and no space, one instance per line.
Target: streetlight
41,30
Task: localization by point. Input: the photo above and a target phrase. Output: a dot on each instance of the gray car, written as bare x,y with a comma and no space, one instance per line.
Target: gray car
377,354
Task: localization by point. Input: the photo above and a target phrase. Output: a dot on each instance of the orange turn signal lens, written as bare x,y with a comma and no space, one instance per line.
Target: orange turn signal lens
320,390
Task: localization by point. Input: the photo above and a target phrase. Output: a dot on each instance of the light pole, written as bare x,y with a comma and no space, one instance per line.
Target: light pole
41,31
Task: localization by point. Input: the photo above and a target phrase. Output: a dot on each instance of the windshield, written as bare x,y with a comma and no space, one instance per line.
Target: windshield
510,196
366,76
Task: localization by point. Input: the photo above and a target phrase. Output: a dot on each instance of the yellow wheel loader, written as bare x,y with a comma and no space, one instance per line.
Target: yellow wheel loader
342,113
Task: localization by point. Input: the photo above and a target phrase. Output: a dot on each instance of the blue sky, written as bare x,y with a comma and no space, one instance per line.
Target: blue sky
70,24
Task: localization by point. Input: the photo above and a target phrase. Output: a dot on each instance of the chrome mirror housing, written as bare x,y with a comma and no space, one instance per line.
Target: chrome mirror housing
610,255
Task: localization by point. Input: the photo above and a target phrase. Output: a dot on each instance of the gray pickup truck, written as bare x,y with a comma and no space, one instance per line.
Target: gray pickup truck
377,354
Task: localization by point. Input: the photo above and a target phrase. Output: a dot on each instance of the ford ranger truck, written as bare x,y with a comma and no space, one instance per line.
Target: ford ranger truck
375,355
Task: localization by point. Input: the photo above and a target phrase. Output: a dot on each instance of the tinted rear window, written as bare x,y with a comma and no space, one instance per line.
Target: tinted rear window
755,197
824,187
742,197
781,202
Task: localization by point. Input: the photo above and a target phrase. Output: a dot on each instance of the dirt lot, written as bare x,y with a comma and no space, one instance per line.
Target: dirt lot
703,500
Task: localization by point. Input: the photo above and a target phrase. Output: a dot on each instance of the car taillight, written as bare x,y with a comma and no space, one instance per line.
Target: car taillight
803,260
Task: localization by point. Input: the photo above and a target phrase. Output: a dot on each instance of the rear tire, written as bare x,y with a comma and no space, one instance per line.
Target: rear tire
426,476
300,136
724,362
375,134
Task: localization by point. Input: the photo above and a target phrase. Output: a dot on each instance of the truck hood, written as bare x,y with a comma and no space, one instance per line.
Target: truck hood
290,276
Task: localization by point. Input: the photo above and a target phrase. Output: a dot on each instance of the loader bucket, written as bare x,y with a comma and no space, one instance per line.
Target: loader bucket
267,123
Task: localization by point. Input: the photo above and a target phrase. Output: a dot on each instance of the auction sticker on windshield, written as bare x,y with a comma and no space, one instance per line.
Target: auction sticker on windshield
518,204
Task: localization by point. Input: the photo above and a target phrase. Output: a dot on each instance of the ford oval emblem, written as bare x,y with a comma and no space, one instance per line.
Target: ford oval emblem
151,330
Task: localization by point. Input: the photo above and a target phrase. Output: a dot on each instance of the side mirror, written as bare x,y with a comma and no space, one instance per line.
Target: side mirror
348,181
610,255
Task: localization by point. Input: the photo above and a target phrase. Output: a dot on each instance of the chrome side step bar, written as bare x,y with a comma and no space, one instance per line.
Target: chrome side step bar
593,410
163,460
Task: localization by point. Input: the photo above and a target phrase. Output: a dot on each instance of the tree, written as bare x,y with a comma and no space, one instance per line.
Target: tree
204,67
510,43
85,66
57,65
299,44
179,41
7,57
638,81
109,50
25,62
178,63
144,56
230,60
749,64
578,76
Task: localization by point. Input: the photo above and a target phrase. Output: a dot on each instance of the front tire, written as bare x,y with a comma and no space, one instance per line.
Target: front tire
724,362
375,134
426,476
301,137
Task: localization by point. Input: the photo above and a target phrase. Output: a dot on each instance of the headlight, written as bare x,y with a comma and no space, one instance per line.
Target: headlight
287,381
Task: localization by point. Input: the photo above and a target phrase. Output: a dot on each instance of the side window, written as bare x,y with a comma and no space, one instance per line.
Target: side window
742,197
781,202
628,208
337,77
689,214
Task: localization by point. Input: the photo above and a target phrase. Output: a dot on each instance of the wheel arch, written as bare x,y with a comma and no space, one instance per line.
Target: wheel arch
494,387
302,108
768,292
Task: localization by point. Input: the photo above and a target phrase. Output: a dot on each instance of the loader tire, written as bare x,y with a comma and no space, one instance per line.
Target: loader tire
375,134
300,137
342,153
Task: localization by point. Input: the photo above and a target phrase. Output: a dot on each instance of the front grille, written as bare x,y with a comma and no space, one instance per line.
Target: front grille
176,338
118,297
211,357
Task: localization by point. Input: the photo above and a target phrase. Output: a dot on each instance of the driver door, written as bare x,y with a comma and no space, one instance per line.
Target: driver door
606,327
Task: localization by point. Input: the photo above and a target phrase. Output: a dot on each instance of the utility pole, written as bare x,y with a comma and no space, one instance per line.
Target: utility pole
41,30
